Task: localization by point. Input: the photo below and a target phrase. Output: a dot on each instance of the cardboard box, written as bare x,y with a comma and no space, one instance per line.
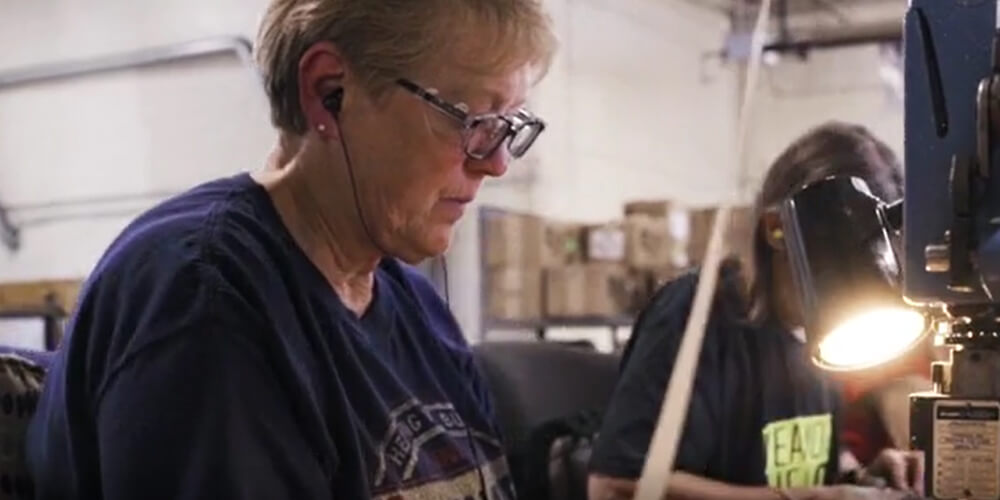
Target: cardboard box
513,240
737,235
514,293
563,244
591,289
700,230
651,208
648,242
605,243
564,293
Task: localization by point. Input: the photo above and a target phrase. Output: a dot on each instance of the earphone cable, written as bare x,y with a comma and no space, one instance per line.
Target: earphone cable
484,493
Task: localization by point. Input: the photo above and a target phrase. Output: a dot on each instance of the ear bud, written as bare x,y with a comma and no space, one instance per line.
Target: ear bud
333,101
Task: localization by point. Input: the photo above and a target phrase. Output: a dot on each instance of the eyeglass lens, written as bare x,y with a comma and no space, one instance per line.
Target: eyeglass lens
524,138
486,135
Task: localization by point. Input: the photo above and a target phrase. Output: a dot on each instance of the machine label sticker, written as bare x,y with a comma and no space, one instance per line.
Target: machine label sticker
966,457
798,450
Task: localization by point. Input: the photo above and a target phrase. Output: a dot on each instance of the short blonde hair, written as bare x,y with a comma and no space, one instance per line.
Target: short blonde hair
383,40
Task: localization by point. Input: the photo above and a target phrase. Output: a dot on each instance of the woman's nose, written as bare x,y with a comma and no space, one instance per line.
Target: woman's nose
494,165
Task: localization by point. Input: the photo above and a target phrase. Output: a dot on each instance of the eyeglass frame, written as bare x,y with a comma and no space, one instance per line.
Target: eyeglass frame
524,118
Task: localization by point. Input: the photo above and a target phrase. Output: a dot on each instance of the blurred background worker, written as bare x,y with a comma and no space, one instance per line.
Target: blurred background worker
763,421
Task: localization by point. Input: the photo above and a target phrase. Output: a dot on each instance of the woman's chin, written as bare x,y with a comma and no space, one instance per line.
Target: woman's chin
431,243
438,239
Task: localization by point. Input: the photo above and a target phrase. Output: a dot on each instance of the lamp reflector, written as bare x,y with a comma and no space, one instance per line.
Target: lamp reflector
871,338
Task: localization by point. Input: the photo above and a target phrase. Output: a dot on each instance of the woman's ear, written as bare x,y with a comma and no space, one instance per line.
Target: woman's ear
774,232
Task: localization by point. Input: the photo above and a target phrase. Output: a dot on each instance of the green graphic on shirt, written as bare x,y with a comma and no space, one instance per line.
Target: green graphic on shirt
797,451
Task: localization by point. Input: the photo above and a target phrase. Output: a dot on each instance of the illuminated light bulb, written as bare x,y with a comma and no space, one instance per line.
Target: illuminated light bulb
871,338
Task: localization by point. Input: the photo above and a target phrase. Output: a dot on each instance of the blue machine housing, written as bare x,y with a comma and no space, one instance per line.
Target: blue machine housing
948,48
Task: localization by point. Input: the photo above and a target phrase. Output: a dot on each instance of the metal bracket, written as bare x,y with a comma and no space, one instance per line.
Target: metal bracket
10,235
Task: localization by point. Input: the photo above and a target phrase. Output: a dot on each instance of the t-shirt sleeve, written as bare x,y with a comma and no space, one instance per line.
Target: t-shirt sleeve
200,414
630,420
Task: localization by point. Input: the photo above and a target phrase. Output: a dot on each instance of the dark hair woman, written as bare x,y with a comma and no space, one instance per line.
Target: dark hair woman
762,419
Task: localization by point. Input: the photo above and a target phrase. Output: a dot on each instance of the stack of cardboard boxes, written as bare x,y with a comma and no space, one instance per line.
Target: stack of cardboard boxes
557,270
657,232
737,235
666,239
513,255
594,281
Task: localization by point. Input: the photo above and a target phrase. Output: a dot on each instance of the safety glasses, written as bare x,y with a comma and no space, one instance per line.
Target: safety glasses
483,134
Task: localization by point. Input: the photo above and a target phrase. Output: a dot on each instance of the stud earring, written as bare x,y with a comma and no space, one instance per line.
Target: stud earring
321,127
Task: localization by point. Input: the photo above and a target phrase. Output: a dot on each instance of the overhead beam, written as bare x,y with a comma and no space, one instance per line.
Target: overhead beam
841,37
129,60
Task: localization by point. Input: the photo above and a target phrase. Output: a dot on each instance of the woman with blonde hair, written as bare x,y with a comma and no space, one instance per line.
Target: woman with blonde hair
263,336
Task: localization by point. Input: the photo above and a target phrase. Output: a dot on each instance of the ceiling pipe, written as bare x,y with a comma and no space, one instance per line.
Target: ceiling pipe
840,37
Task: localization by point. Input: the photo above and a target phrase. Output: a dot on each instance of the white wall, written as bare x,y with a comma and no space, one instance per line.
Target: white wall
634,109
159,129
842,84
54,30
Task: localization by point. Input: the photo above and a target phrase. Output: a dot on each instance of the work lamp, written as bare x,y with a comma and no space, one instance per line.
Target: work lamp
839,242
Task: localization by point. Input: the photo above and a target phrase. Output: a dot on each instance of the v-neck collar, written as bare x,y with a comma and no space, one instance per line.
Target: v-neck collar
377,317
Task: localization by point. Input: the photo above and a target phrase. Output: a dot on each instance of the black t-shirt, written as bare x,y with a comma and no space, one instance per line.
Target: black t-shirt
760,412
209,358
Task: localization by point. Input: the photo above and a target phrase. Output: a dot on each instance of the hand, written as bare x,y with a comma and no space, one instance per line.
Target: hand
903,470
850,492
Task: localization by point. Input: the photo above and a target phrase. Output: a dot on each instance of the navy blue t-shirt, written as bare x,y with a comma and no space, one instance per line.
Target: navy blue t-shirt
210,359
760,412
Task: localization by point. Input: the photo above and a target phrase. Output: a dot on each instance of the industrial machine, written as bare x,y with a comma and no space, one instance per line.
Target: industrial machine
948,270
952,236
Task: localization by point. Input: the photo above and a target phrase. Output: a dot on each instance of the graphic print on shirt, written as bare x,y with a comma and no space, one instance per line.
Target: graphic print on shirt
426,453
797,451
